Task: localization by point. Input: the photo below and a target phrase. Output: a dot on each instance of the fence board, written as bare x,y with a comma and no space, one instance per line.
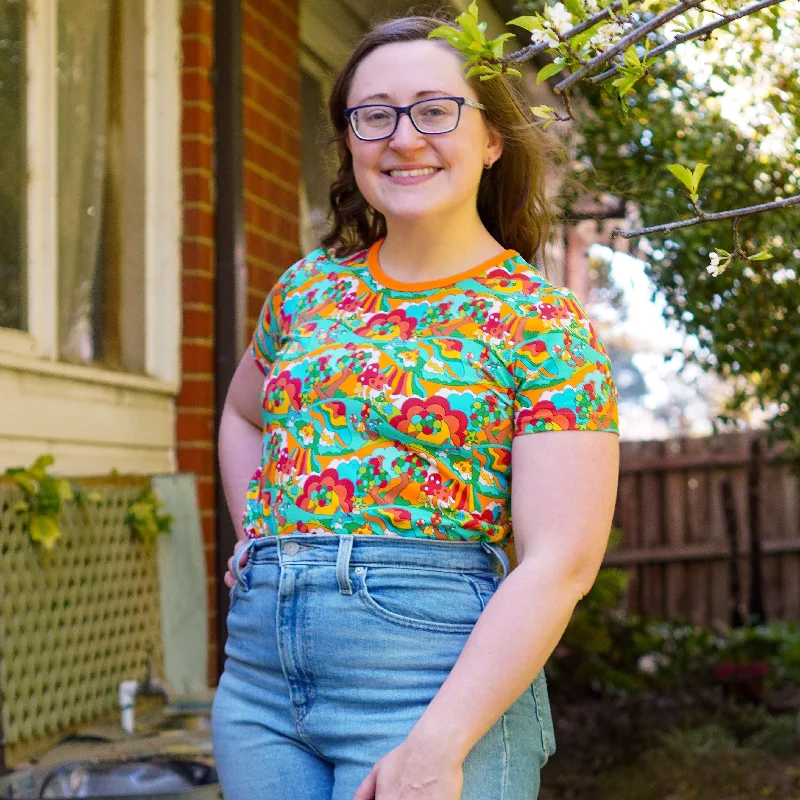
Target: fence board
675,543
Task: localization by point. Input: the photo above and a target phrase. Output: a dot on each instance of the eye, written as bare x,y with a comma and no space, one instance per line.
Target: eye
376,115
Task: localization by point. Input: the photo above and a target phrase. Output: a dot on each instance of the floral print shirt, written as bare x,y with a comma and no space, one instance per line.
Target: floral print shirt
389,408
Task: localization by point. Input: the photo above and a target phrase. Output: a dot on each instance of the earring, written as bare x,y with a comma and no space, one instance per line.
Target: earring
488,164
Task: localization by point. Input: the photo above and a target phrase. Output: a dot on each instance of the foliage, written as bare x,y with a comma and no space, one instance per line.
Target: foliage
746,321
44,497
145,517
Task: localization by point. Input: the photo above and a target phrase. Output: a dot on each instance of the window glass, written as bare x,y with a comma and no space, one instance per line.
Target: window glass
13,166
90,158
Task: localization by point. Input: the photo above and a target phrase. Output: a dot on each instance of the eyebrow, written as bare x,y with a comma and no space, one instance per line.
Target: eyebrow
384,96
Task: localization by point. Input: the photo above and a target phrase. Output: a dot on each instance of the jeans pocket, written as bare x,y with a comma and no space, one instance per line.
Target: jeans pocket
428,599
544,715
241,585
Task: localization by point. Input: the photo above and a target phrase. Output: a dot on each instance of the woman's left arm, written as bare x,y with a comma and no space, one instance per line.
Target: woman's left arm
562,501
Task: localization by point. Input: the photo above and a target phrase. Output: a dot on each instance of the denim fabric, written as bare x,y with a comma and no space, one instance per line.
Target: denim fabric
336,645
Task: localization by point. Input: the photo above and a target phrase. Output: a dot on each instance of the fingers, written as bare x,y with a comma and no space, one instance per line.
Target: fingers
368,787
229,578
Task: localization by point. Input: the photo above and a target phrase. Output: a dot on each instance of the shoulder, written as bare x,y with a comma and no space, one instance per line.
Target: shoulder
319,265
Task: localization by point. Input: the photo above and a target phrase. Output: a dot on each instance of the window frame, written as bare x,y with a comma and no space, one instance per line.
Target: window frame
36,349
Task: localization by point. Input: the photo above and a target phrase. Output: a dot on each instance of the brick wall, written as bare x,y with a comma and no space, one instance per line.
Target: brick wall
195,430
271,143
271,179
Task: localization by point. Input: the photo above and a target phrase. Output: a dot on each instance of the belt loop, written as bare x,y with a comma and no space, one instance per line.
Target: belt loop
343,563
237,570
499,554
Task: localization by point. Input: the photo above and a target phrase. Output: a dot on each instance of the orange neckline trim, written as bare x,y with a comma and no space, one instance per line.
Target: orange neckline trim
390,283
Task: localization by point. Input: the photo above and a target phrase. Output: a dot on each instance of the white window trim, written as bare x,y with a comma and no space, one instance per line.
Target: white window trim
36,349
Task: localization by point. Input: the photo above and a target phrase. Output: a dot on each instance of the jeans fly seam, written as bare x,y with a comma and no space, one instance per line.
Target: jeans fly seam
505,758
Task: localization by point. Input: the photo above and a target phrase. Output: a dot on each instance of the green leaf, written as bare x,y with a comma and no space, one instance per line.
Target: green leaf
697,175
25,482
682,174
626,9
473,9
509,71
548,71
454,37
575,7
581,39
470,26
64,490
44,529
496,45
694,197
530,24
479,69
624,84
43,462
764,255
543,112
632,57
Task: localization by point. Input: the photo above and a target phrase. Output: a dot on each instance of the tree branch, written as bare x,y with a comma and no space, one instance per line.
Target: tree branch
695,34
733,214
625,42
525,53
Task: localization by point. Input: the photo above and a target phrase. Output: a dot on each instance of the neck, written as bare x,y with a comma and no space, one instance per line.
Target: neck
432,249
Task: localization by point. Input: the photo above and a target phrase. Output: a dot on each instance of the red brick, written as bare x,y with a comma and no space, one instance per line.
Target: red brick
198,50
205,491
196,425
196,288
196,154
199,460
197,187
196,393
197,357
198,222
198,323
197,120
197,17
196,86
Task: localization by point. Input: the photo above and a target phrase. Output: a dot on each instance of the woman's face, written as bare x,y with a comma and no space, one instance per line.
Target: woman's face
399,74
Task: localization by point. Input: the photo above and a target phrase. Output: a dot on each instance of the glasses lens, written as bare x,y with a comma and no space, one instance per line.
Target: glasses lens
435,116
374,122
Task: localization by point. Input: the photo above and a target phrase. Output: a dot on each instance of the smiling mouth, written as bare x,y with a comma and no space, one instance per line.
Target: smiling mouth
411,173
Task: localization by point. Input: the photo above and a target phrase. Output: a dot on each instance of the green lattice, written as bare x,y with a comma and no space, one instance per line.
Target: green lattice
74,622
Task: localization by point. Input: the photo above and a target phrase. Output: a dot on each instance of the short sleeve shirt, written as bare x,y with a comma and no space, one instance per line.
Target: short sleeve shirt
390,408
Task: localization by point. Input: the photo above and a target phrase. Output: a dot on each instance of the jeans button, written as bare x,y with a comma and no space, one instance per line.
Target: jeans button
291,548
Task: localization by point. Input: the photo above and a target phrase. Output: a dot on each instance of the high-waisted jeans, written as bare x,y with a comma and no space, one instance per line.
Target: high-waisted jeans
336,645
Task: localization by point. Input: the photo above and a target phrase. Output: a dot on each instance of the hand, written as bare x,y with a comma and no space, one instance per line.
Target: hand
229,578
409,773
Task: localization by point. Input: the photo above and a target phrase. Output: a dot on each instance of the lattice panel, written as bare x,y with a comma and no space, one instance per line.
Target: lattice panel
74,622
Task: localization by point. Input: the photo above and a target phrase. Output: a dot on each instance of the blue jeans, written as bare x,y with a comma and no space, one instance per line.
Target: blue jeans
336,645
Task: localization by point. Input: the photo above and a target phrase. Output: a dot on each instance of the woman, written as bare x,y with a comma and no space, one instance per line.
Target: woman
376,647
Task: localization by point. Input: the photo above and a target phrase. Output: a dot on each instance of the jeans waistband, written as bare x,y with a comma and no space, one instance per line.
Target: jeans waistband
346,550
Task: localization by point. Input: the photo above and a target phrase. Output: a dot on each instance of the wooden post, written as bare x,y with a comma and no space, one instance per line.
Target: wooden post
732,529
756,607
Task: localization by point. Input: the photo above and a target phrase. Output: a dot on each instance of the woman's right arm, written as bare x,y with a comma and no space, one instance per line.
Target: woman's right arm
240,434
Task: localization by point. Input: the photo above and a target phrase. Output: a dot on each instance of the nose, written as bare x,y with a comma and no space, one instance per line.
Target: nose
406,136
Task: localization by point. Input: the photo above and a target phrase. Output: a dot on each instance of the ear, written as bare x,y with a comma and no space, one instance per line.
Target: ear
494,148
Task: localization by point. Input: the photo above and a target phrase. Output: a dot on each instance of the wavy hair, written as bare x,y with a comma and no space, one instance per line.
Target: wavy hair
512,199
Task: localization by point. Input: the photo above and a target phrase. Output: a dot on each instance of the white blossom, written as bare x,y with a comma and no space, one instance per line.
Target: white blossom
607,35
544,37
714,267
561,18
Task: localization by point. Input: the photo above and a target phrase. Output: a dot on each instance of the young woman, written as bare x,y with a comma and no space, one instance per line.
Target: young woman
378,647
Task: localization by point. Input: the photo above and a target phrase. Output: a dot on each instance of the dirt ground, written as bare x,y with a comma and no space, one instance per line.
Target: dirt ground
696,746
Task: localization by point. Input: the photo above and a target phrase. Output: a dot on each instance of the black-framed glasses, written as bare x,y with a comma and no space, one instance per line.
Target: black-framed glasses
435,115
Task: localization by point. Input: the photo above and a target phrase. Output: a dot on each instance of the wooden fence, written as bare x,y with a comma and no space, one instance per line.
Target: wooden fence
711,529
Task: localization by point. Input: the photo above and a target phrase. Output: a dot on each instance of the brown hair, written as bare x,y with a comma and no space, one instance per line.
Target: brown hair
512,199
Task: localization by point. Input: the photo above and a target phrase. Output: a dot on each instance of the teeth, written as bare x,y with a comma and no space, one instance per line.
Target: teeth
410,173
